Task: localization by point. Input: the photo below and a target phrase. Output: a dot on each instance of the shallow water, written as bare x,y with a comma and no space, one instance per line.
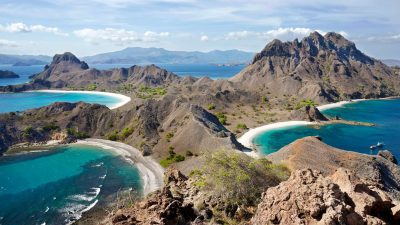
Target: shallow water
384,113
12,102
54,187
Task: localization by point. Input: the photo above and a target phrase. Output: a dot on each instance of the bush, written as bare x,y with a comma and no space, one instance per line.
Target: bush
241,126
172,158
305,102
77,134
189,153
239,179
113,136
211,106
221,118
169,136
50,127
91,87
126,132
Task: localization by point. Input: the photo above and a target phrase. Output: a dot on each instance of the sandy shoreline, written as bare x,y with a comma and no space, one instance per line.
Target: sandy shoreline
247,138
123,99
151,172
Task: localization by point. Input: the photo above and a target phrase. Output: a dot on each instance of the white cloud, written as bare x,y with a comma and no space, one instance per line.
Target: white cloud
388,38
280,33
24,28
118,36
204,38
7,43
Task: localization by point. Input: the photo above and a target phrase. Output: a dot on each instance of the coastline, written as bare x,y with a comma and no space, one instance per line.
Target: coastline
152,174
123,98
247,138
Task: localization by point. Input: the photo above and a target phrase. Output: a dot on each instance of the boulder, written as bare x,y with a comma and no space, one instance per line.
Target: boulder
387,155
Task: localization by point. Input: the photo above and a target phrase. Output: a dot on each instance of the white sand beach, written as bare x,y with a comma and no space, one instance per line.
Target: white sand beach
123,99
151,172
247,138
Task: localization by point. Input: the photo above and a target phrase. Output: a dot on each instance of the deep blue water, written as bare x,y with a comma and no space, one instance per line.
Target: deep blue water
29,100
385,114
195,70
54,187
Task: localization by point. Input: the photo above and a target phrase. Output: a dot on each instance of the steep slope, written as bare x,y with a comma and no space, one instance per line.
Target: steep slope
322,68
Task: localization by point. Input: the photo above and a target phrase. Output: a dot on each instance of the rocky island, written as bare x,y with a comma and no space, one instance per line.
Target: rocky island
4,74
191,126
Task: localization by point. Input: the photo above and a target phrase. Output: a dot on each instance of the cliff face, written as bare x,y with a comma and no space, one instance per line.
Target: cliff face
322,68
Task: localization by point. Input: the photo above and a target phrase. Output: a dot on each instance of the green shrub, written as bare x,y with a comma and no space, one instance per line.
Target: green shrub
172,158
126,132
77,134
237,178
169,136
149,92
91,87
50,127
221,118
211,106
305,102
113,136
241,126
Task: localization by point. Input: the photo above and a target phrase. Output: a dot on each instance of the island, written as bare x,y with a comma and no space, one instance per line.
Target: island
21,64
5,74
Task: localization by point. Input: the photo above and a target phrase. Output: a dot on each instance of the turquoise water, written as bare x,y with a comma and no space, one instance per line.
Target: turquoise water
54,187
384,113
196,70
29,100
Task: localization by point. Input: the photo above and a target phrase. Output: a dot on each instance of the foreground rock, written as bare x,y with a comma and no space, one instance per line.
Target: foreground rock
387,155
310,198
312,153
169,206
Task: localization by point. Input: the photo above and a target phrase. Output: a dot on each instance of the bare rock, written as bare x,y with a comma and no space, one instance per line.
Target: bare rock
308,197
387,155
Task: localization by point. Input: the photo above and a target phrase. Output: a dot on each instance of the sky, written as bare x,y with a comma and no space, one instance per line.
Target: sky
88,27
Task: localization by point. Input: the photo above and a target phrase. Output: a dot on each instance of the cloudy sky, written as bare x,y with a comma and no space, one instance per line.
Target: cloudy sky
87,27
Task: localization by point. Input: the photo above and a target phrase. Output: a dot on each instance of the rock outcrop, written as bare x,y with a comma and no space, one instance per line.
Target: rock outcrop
322,68
312,153
308,113
169,206
308,197
387,155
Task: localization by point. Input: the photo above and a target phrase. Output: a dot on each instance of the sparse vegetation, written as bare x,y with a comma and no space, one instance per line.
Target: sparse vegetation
91,87
238,179
241,126
172,158
305,102
126,132
189,153
222,118
150,92
50,127
169,136
77,134
211,106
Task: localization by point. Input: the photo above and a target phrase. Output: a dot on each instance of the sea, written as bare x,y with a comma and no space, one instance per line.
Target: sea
57,186
385,114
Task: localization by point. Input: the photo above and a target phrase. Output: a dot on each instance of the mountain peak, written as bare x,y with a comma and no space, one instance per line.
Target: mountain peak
69,58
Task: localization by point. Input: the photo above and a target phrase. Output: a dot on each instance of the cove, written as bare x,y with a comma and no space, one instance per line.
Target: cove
12,102
385,114
56,186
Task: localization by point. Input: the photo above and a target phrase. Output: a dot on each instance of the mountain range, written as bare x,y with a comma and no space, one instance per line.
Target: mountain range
136,55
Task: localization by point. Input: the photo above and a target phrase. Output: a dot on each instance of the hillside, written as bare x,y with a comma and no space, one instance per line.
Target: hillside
322,68
136,55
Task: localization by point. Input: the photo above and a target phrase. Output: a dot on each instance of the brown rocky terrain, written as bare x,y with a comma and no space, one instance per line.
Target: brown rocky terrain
322,68
341,198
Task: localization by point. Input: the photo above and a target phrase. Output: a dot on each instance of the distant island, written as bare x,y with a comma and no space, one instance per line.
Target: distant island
21,64
136,55
4,74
